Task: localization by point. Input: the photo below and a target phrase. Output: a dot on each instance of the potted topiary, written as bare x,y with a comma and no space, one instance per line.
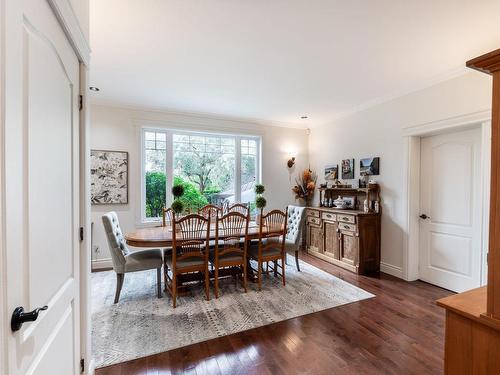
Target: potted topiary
260,201
177,205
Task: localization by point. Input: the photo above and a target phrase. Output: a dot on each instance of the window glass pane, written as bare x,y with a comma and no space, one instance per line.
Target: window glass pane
155,175
248,174
150,136
205,171
161,137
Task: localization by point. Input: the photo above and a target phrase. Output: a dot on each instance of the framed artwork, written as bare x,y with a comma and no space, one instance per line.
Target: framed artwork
332,172
108,177
350,202
347,169
369,167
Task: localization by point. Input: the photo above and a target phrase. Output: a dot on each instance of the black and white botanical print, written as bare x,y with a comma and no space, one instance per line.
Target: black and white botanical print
109,177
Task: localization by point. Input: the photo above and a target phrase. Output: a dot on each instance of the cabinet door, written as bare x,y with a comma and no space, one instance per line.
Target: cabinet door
313,237
331,239
349,247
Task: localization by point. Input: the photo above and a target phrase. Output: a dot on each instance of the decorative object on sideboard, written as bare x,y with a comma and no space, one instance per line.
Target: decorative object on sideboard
108,177
350,202
363,182
332,172
305,186
340,203
348,169
369,166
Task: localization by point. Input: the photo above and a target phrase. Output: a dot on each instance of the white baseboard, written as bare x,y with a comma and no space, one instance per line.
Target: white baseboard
391,270
101,263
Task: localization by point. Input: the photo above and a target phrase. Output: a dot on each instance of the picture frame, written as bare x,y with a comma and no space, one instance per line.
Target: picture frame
108,177
332,172
347,169
350,202
369,166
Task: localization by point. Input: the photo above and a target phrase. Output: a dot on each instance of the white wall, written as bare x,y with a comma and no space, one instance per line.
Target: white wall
114,128
378,131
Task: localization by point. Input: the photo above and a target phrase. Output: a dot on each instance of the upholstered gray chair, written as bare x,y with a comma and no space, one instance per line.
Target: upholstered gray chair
295,231
124,260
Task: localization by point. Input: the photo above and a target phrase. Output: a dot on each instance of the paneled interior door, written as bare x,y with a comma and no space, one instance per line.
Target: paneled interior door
450,213
41,190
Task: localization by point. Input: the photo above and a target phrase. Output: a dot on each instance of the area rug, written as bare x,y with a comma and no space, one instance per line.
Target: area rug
142,324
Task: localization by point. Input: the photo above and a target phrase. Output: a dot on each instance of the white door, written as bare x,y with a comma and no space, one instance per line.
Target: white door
450,198
40,194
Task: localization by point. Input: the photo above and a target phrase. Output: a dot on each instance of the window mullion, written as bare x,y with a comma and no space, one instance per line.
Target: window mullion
237,169
169,167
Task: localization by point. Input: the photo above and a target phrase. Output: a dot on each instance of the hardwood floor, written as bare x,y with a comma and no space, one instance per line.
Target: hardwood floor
400,331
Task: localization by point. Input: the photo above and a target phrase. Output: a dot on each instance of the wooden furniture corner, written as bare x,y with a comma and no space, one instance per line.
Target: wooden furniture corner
472,338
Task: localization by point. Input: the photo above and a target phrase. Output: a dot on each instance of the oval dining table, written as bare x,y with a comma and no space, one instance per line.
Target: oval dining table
161,236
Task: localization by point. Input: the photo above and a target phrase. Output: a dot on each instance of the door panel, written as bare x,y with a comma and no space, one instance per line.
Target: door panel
41,194
331,239
450,239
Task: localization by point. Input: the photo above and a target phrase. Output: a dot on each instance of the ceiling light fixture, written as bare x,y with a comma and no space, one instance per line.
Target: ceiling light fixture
93,88
304,117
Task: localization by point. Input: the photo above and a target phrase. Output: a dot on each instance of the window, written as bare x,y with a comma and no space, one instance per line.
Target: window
213,168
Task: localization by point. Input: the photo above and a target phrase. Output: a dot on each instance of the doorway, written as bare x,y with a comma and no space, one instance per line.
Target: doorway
450,209
447,183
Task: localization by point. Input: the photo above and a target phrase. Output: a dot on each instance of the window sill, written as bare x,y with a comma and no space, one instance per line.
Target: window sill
149,223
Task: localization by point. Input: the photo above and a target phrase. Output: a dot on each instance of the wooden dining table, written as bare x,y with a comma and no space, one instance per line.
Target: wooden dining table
161,236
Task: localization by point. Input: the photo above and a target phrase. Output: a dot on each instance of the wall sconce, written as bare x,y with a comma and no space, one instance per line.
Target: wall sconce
291,161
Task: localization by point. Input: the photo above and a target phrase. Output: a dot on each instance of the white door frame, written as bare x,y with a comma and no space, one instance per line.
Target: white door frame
71,26
413,134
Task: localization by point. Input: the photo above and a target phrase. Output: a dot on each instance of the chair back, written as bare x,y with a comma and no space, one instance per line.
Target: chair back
210,211
229,229
272,231
242,208
168,214
190,238
117,246
295,224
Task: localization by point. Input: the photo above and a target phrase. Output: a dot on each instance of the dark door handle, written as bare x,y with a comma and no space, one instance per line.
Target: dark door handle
19,317
424,216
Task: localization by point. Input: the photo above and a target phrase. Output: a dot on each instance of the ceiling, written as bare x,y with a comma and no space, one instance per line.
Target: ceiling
276,60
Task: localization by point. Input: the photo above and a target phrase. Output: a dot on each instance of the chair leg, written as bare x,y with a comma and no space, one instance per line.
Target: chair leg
283,269
216,282
119,284
259,276
174,289
297,260
158,281
275,263
245,276
207,285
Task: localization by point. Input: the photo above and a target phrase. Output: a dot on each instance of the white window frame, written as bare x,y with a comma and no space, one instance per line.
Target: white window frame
169,162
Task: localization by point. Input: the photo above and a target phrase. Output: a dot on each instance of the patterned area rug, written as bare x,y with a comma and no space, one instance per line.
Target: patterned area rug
141,324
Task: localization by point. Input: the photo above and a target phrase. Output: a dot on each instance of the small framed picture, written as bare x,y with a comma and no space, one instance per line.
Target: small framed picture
350,202
369,167
347,169
332,172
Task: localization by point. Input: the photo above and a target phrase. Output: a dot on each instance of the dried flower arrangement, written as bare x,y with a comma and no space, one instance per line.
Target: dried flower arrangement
305,186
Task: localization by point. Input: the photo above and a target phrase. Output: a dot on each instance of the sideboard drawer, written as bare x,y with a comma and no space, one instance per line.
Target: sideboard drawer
314,220
328,216
313,213
346,218
345,226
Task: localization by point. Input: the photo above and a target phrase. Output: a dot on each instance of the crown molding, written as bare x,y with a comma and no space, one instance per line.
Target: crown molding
199,115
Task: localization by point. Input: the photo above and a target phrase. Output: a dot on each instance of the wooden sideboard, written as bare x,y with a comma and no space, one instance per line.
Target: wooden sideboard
347,238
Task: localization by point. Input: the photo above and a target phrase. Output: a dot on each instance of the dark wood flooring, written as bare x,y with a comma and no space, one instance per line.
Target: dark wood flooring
400,331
